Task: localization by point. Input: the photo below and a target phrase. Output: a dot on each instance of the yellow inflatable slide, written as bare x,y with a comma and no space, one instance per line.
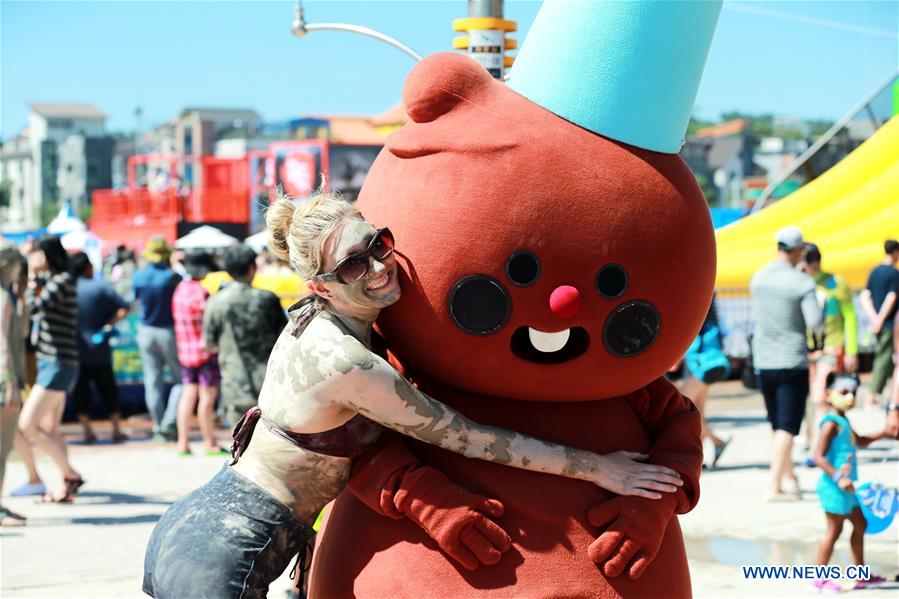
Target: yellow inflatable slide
848,212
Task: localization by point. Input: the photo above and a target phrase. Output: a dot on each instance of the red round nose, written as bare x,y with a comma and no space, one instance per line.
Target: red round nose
565,301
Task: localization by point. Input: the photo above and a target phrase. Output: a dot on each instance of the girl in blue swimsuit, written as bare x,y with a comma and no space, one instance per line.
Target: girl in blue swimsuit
836,456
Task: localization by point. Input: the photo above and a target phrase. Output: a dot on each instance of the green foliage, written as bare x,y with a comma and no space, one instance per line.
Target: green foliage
697,124
5,193
790,134
818,127
85,212
49,210
708,190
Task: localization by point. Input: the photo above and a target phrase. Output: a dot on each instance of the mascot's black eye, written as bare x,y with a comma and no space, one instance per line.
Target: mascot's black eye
631,328
479,304
611,281
523,268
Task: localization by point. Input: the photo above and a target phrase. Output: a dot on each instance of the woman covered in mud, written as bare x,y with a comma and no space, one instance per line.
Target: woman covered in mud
325,399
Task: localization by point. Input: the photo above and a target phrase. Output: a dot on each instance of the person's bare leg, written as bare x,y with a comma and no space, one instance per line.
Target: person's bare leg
52,425
857,539
9,417
185,414
698,392
23,448
781,460
834,528
206,415
115,418
38,422
85,420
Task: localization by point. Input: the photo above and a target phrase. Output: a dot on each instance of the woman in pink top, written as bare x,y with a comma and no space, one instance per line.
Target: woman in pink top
199,369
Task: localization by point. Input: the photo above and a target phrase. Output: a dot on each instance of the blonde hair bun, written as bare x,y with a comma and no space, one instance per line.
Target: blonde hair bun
297,230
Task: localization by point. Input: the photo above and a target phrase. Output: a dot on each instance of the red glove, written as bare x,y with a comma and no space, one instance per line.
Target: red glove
391,481
455,518
636,526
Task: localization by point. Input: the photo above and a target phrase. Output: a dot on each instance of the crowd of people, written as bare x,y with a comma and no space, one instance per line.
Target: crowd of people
805,352
205,356
58,317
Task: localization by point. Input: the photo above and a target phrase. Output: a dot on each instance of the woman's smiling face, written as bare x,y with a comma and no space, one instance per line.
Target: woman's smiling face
378,288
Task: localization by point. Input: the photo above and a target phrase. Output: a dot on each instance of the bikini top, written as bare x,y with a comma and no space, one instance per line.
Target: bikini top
349,440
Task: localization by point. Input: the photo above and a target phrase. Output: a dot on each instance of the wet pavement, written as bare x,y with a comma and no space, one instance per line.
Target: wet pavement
95,547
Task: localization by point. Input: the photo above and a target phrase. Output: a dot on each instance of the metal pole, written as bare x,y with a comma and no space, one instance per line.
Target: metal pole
485,8
826,137
300,28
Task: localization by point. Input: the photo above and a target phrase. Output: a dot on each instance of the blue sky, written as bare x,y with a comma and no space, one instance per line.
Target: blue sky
807,59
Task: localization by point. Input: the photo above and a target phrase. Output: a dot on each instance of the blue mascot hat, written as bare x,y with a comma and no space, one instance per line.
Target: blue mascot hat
625,70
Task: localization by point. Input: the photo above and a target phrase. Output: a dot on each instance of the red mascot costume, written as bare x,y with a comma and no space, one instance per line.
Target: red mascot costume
557,257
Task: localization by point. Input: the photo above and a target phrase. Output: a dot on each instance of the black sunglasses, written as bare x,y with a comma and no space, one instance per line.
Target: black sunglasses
355,266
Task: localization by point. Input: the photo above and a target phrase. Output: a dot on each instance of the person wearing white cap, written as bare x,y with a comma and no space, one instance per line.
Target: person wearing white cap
784,307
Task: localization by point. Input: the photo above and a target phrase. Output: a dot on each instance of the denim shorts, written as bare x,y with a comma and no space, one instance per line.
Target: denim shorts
229,538
56,375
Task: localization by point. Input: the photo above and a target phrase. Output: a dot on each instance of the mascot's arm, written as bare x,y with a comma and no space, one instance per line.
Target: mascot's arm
391,481
675,430
635,526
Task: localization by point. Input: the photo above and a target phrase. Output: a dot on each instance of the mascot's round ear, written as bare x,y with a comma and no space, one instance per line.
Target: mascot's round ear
441,81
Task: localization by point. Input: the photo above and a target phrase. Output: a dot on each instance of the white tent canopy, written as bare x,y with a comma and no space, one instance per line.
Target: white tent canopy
258,241
206,238
85,241
65,221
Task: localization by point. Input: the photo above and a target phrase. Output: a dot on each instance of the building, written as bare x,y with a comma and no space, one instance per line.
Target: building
35,181
17,177
721,157
49,125
85,164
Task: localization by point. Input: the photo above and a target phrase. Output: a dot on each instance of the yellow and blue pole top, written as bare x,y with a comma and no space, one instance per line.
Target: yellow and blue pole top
486,40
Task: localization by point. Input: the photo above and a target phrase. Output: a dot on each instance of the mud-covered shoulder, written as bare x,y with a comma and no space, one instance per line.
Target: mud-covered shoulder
321,354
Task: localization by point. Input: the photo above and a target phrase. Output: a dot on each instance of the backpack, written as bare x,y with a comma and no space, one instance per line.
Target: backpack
705,357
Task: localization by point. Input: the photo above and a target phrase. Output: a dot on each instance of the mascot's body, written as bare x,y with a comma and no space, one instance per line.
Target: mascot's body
551,275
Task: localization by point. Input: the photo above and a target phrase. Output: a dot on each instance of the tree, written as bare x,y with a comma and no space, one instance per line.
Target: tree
708,190
697,124
49,210
818,127
85,212
5,193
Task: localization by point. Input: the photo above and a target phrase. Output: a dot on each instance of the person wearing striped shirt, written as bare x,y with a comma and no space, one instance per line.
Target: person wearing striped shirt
784,306
51,300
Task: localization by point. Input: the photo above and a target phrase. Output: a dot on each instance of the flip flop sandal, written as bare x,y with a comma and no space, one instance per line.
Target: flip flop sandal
71,490
48,498
10,518
8,521
719,449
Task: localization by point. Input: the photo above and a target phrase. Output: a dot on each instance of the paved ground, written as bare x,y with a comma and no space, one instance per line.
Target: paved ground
95,547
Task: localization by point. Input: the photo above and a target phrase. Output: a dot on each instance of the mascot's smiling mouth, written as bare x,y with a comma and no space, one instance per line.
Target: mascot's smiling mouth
540,347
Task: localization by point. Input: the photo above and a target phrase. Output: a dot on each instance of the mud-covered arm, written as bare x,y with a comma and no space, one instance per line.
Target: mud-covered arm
675,428
370,386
